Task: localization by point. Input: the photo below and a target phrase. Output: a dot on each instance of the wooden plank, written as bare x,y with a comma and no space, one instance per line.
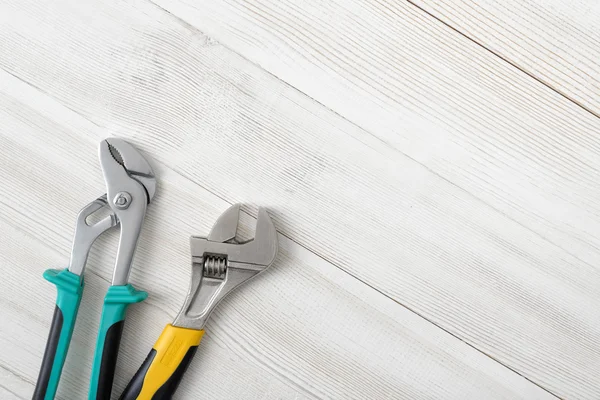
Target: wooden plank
13,387
304,329
555,41
9,395
433,95
463,230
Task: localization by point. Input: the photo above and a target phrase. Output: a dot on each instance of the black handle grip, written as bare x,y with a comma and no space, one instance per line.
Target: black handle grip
108,364
167,390
49,355
134,387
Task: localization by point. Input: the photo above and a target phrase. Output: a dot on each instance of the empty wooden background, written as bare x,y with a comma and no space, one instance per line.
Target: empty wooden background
432,167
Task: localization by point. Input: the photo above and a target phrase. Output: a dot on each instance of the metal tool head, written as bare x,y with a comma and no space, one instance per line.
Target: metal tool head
86,233
220,264
130,186
120,160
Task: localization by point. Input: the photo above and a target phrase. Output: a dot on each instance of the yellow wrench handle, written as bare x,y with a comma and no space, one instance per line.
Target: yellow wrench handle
161,372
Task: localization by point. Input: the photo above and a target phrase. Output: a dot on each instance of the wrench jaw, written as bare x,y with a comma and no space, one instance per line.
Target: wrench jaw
220,264
225,229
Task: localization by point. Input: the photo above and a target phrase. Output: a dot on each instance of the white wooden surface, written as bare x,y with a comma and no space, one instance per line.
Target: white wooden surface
437,206
555,41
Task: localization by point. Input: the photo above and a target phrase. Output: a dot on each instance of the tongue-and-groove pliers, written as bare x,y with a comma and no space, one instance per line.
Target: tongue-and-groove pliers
130,186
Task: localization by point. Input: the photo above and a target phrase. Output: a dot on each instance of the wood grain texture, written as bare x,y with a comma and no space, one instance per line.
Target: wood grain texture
443,178
304,329
555,41
13,387
463,114
433,95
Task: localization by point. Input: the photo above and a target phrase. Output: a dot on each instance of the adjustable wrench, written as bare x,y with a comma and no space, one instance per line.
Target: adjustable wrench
219,265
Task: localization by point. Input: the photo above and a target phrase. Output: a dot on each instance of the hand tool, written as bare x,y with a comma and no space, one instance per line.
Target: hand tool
219,265
130,187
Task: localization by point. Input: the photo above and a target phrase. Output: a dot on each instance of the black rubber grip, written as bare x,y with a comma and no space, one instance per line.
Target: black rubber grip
49,354
167,390
109,360
134,387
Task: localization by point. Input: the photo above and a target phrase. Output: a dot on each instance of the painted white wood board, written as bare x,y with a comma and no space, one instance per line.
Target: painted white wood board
555,41
435,96
461,112
304,329
405,227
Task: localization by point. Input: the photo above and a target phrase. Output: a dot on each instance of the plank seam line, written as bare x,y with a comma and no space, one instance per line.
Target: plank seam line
506,60
11,392
18,376
52,97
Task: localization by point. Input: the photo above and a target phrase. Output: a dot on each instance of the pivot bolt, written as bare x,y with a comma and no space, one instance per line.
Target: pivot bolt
122,200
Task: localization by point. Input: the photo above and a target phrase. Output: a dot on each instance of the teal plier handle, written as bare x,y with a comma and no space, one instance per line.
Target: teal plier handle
117,299
70,288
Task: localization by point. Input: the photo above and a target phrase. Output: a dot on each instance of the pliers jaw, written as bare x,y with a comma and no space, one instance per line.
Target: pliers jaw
130,186
220,264
121,162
